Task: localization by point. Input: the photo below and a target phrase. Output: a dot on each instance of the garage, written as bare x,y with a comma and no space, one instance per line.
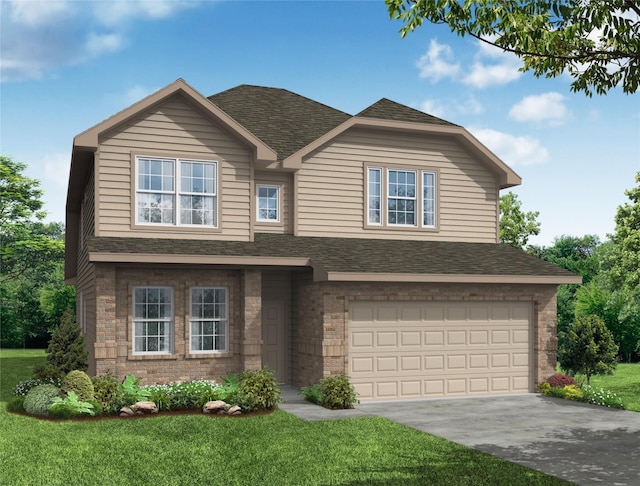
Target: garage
428,349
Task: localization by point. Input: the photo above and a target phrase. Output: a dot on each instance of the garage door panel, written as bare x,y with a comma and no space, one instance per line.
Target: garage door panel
439,348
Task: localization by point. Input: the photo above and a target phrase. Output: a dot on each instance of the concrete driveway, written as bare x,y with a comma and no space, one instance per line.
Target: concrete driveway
585,444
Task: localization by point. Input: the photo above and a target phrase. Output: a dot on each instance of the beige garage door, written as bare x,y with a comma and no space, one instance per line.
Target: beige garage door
402,350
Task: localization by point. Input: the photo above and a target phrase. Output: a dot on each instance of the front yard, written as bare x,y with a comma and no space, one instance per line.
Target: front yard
276,449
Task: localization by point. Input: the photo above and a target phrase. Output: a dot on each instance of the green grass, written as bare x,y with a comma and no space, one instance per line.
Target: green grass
277,449
625,383
17,365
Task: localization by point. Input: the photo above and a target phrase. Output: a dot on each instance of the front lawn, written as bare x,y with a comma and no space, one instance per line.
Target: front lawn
625,382
276,449
269,449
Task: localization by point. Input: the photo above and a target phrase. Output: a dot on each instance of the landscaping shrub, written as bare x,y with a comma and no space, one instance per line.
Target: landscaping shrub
600,396
312,394
73,402
184,396
560,380
48,373
161,396
23,387
40,398
16,404
229,389
557,392
108,393
573,392
258,390
133,392
66,350
61,411
338,392
544,388
79,382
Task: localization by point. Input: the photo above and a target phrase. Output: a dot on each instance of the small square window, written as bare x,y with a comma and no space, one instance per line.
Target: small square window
268,203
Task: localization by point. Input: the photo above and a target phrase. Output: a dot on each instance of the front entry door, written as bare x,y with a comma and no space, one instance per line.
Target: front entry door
273,337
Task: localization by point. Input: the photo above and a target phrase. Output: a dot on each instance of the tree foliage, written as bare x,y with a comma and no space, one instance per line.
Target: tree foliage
516,226
66,350
20,197
589,348
624,261
596,42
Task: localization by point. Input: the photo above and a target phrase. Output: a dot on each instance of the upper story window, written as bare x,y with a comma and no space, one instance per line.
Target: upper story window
393,197
268,203
176,191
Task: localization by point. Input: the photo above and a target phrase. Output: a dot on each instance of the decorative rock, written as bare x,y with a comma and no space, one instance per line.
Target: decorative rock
126,412
235,410
215,406
145,407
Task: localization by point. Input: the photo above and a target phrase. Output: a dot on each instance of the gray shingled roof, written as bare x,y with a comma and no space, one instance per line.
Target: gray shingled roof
354,255
285,121
390,110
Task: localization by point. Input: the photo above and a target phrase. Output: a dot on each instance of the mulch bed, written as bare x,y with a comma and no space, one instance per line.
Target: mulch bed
165,413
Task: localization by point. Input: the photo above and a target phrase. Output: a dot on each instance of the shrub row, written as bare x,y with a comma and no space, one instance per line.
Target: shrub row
78,394
563,386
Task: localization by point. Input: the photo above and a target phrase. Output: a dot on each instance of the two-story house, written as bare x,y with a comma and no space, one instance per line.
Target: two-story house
258,227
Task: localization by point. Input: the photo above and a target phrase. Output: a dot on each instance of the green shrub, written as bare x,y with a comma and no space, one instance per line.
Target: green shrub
573,392
545,387
73,402
40,398
557,392
600,396
23,387
133,392
16,404
108,393
48,373
61,411
312,394
66,350
229,389
161,396
258,390
97,407
338,392
79,382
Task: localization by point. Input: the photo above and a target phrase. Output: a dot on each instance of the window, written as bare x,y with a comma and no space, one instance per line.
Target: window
398,192
401,197
429,199
375,196
152,319
268,203
209,319
161,201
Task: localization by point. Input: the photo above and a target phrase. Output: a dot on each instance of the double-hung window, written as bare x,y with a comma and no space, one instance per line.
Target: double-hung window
152,319
401,197
268,203
209,319
176,191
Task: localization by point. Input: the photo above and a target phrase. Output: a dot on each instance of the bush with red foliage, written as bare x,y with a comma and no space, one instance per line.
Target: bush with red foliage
559,380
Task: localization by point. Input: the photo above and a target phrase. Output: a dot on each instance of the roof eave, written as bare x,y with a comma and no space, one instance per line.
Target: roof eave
453,278
507,177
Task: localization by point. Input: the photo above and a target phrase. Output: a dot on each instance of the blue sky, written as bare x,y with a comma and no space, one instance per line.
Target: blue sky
67,65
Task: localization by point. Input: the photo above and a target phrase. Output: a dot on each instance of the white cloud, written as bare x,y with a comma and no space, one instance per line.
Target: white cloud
547,107
37,36
469,106
56,170
511,149
435,63
433,107
483,75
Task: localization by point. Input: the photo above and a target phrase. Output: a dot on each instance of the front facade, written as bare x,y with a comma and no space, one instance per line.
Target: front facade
257,227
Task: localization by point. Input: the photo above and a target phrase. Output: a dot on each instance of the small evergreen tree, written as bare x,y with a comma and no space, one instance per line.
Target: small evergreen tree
588,348
66,349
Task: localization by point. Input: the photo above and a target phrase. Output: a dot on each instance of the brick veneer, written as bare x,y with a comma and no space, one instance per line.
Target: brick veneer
113,349
321,316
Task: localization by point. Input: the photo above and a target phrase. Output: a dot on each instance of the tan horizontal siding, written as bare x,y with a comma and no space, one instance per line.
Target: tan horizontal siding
174,128
332,194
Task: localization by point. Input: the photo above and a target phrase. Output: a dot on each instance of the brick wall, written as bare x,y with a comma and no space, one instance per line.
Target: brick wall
321,315
114,351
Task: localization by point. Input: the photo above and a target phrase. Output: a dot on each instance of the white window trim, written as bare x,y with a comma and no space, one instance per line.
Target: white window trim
176,193
267,186
381,196
416,208
225,322
435,199
170,321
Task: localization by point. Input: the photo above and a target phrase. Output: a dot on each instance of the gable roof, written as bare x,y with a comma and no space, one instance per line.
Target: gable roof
284,120
386,109
346,259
